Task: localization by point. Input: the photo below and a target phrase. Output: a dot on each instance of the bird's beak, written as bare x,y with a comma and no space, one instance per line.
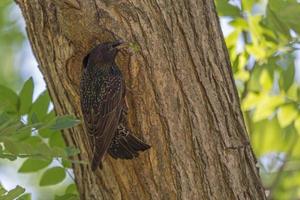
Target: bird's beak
119,44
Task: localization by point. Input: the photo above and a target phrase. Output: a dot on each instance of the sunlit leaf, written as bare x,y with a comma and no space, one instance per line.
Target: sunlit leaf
258,52
287,114
267,106
292,92
239,23
251,101
232,38
266,136
248,5
265,80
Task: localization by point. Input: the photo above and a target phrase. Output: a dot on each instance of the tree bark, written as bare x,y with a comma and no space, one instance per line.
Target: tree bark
181,96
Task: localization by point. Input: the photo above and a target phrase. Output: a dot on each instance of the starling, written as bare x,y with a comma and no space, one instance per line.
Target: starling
102,96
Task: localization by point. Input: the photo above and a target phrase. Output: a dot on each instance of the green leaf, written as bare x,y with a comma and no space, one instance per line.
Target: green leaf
287,78
248,5
72,151
26,97
10,126
40,107
240,24
283,15
53,176
287,114
280,29
33,165
265,137
26,196
44,149
297,124
13,194
46,132
267,106
67,197
59,152
11,146
34,118
8,156
226,9
34,141
251,101
232,38
66,163
50,116
21,135
266,80
63,122
292,93
253,84
8,100
255,50
56,140
71,189
2,190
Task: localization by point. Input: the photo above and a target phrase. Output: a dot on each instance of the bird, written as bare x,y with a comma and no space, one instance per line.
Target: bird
102,98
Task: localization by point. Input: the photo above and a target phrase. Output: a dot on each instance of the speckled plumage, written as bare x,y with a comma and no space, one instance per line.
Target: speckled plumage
102,92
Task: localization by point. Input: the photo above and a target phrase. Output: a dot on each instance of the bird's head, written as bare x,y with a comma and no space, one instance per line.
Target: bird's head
103,54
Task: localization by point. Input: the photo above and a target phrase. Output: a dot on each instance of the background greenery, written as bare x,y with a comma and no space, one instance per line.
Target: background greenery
264,50
263,41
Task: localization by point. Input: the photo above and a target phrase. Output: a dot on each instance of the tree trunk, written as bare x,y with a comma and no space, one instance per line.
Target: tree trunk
181,96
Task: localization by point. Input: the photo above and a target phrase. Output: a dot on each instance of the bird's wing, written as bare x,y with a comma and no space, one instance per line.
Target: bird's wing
103,117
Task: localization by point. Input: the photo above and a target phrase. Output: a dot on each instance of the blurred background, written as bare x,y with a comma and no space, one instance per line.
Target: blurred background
263,41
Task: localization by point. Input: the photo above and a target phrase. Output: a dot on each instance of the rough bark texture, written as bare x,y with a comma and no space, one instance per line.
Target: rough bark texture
182,98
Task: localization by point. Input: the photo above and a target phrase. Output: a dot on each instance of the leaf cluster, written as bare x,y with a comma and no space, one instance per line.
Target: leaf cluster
32,131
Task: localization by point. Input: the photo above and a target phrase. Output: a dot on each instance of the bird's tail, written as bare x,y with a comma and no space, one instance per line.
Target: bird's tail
125,145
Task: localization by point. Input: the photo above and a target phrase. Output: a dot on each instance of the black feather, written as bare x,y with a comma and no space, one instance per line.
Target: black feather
125,145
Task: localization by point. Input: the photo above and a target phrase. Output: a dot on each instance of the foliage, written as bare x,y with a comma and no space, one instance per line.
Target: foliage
11,40
29,130
13,194
263,47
